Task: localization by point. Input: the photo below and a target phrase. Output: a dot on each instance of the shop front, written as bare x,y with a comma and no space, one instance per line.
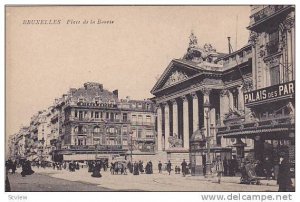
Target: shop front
270,124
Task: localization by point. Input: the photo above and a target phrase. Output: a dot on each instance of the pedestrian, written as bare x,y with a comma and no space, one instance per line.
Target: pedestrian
276,170
129,166
219,168
7,184
112,168
284,176
267,168
96,170
225,164
151,167
135,168
159,167
141,167
14,167
169,167
183,167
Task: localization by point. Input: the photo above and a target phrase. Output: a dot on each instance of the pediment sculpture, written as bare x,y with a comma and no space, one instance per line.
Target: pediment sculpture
175,77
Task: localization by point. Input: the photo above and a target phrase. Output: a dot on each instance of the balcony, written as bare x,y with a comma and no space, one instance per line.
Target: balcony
267,13
88,119
275,123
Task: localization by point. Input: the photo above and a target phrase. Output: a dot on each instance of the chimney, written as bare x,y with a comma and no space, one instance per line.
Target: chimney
229,45
116,93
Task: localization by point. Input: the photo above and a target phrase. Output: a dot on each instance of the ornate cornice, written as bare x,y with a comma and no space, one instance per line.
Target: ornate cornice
289,23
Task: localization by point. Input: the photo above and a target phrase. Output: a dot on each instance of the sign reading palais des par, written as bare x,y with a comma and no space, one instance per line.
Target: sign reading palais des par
267,94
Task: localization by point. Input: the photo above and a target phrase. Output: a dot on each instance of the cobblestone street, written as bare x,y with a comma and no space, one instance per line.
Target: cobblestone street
63,180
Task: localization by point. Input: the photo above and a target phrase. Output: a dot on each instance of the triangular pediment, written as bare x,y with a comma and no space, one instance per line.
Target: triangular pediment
176,73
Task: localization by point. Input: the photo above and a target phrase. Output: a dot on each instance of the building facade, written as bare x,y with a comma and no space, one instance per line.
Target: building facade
271,99
197,94
89,123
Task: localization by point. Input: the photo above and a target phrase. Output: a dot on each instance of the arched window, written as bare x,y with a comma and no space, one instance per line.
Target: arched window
76,129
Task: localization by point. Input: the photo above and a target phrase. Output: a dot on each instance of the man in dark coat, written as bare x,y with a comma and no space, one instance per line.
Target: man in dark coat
183,167
14,167
135,169
151,167
159,167
129,166
169,167
284,179
141,166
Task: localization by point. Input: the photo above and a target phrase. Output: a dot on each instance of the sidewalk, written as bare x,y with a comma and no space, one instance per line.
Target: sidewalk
157,182
231,179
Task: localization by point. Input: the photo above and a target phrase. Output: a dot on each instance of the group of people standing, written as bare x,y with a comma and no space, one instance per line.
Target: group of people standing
138,167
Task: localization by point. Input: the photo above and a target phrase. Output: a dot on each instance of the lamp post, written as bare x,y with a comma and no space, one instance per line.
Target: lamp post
208,160
131,144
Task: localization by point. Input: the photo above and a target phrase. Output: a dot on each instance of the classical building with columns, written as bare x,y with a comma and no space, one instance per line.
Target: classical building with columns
196,94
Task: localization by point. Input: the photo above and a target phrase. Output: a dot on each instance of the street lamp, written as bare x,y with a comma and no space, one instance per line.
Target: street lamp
208,160
131,144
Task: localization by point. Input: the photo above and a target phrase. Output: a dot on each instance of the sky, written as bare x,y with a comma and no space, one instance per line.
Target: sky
44,60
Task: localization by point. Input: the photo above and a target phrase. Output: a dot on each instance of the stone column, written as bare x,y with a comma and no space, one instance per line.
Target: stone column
185,122
230,96
206,106
167,125
175,117
159,128
241,98
290,56
224,105
195,112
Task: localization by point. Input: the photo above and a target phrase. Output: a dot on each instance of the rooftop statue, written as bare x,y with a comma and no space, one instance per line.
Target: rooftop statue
196,53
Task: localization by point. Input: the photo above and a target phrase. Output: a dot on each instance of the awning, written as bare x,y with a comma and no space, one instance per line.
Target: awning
254,132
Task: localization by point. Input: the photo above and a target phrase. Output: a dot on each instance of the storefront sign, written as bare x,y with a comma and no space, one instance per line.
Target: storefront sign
92,104
96,147
276,91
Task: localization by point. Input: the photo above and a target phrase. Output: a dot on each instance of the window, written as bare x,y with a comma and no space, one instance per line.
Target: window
235,96
140,133
140,119
107,115
125,117
124,129
75,113
133,118
101,115
112,116
97,130
148,119
96,115
140,106
274,75
80,115
273,44
92,114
